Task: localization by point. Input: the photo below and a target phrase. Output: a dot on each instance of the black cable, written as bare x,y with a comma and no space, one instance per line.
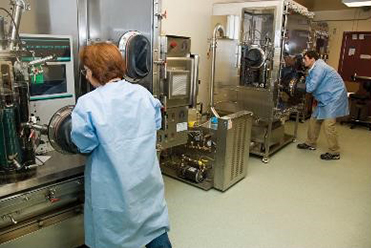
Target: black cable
11,17
16,28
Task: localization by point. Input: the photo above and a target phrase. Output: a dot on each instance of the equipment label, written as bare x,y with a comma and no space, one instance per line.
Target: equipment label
182,126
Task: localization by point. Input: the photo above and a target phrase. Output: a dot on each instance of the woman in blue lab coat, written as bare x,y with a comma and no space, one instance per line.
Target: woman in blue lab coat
329,90
116,125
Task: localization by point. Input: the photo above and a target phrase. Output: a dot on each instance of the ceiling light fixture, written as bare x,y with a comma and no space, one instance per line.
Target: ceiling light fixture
357,3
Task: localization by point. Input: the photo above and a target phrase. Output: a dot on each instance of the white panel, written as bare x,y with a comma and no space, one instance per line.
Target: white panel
237,27
236,9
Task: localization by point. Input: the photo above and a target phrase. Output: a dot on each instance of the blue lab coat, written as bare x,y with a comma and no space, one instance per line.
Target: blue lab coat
329,90
124,190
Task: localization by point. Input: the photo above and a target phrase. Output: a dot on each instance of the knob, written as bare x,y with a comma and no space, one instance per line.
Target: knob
173,44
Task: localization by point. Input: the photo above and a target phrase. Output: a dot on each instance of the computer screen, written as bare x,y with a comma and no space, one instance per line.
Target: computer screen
52,80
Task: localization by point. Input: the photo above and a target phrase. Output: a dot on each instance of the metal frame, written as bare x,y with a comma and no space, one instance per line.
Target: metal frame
263,102
48,203
44,106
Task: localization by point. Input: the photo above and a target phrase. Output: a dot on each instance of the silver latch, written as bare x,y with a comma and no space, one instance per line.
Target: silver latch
51,196
9,216
161,15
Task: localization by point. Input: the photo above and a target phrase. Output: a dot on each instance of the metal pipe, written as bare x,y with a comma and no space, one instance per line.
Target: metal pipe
283,40
83,37
194,83
17,166
218,29
42,60
2,34
18,7
43,129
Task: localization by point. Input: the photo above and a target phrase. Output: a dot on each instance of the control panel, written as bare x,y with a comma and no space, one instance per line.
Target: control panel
52,84
174,127
178,46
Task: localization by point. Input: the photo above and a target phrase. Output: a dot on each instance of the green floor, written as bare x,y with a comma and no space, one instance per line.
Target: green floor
295,201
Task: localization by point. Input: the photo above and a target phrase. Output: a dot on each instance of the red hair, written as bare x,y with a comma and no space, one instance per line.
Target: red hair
104,60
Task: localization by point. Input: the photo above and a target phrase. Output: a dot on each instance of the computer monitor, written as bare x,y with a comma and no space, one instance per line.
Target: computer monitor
52,84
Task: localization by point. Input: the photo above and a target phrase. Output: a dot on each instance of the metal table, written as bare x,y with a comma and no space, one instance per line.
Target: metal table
48,205
58,167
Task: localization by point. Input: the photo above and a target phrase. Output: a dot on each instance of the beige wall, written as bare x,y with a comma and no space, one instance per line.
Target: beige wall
327,5
306,3
192,18
336,30
338,27
28,21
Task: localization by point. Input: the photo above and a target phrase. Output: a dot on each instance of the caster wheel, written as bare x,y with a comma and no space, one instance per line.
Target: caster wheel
265,160
294,141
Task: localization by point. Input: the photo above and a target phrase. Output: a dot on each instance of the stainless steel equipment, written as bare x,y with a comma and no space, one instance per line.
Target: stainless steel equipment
93,21
250,67
218,29
136,24
319,42
178,83
46,202
59,130
213,155
46,209
320,33
52,84
17,154
136,51
34,200
216,154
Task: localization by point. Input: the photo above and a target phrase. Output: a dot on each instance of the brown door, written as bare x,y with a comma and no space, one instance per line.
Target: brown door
355,55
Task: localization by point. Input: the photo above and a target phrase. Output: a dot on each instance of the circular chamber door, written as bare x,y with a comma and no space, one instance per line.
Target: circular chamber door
255,57
136,52
59,131
295,89
293,77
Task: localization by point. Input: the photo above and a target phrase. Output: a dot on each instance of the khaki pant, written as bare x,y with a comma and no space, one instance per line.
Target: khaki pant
330,131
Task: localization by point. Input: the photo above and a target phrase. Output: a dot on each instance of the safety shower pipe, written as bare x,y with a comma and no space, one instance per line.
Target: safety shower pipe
218,29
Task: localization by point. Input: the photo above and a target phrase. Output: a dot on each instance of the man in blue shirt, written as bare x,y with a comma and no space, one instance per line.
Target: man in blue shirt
328,88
